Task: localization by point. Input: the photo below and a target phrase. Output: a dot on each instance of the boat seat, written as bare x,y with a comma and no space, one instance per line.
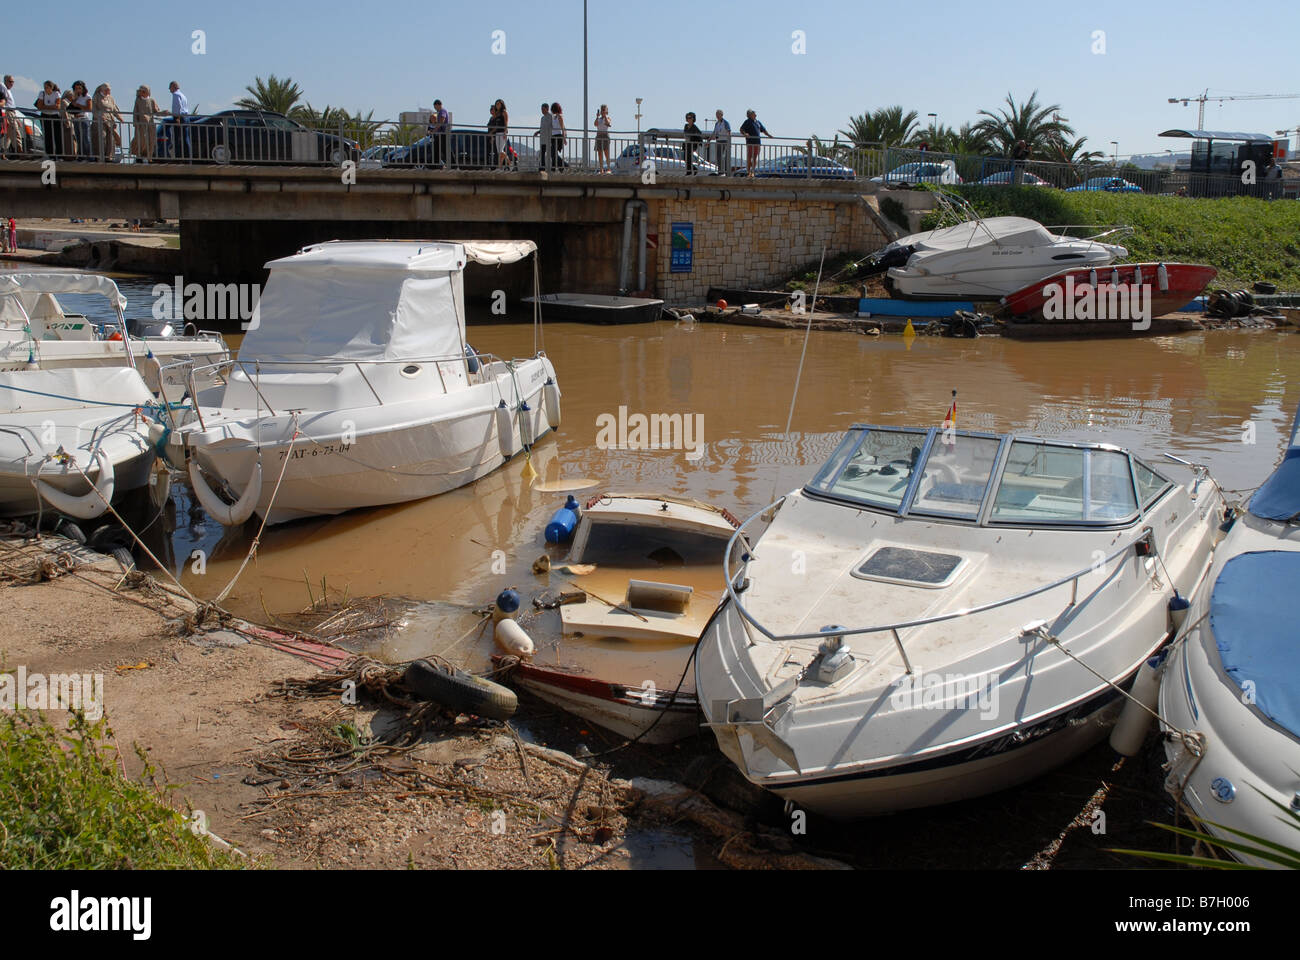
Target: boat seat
956,492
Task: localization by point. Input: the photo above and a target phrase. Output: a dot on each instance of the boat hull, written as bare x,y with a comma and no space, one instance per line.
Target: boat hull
325,463
1185,282
620,709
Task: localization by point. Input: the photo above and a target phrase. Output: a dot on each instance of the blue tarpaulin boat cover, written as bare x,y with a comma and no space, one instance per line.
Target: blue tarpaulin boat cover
1253,616
1278,497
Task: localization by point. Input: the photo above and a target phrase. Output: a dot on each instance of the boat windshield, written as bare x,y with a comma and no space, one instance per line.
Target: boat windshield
1000,479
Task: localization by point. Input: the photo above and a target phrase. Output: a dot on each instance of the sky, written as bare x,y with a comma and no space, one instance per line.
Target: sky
805,67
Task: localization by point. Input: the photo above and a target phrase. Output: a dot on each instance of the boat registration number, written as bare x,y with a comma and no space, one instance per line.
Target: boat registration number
318,450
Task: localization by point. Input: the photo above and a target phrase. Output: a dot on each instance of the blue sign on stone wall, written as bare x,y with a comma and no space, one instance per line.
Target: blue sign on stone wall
683,247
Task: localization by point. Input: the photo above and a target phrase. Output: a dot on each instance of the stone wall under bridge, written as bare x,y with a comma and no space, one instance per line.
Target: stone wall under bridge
756,243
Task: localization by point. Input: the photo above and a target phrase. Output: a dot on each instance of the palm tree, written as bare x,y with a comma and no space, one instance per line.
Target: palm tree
1037,125
274,95
891,126
969,140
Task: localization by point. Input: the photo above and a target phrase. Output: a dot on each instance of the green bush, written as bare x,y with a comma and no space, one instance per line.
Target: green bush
64,805
892,210
1244,238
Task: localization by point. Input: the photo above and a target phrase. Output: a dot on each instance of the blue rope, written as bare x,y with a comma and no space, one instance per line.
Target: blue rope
59,396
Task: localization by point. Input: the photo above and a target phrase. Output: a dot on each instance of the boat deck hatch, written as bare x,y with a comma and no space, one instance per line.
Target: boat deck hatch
904,565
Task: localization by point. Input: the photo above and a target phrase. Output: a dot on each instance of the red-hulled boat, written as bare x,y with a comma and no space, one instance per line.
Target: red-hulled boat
1113,293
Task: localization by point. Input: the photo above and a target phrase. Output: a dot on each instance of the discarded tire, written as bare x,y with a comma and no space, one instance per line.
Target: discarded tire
461,692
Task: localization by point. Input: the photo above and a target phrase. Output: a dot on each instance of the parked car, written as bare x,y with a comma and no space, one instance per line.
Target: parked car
260,136
921,171
465,150
33,132
1005,178
373,158
1109,184
796,166
667,159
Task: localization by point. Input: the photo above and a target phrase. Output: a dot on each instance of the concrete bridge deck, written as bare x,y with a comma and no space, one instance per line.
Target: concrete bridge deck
235,217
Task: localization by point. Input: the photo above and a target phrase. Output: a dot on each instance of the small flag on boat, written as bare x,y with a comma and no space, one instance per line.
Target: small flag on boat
950,420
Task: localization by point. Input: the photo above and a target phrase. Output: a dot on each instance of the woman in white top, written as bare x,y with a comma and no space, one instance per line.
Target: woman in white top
47,102
602,140
78,101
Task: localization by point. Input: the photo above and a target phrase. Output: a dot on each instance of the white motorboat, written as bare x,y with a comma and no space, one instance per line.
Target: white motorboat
627,640
354,387
1230,686
939,615
35,331
984,258
65,431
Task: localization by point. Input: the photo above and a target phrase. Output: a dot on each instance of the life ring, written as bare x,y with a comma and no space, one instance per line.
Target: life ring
227,514
89,505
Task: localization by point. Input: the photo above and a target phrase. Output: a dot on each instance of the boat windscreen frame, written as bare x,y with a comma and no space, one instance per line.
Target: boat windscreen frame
983,518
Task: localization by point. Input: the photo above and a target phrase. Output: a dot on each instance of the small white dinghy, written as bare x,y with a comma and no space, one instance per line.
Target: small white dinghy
1230,688
35,331
56,425
628,640
354,387
938,615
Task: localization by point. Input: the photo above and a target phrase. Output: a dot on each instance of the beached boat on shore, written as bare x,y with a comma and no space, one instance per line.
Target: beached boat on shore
596,308
1230,686
354,387
629,674
938,615
1124,293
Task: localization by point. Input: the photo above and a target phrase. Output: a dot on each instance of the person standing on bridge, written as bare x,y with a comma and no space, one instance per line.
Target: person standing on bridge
602,139
753,130
144,143
47,102
13,128
178,136
722,145
499,127
13,236
558,136
104,136
545,128
439,129
691,138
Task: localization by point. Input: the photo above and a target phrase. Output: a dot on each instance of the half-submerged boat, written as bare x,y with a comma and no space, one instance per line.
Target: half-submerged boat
354,387
73,440
35,331
596,308
938,615
1125,292
1230,689
622,661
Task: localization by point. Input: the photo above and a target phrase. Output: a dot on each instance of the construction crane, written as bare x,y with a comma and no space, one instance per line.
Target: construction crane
1200,116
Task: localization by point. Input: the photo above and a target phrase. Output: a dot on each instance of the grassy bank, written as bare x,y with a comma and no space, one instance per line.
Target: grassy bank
1246,239
65,805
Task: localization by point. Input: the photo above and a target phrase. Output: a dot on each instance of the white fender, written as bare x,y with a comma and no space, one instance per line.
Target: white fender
526,424
1092,279
1134,722
511,638
230,515
1162,277
1114,277
551,400
90,504
505,430
1137,276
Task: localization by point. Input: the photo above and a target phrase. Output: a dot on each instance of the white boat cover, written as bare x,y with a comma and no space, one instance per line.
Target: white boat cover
14,283
369,300
110,389
1019,231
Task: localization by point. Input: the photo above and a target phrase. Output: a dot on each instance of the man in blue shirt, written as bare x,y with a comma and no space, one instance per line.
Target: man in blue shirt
178,135
753,129
439,127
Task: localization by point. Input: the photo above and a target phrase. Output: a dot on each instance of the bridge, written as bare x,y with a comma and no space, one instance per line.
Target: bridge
598,234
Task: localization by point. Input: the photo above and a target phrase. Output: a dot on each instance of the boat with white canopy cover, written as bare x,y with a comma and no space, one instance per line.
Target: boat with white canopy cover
64,431
354,386
35,331
1230,687
940,614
